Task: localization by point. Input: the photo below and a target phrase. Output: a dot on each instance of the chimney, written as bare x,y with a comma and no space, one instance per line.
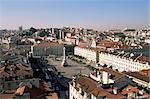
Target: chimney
98,74
115,90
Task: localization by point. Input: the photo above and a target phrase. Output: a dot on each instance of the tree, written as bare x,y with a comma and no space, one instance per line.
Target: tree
44,33
32,30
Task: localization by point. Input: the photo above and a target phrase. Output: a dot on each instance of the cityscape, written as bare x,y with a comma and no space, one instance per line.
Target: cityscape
72,49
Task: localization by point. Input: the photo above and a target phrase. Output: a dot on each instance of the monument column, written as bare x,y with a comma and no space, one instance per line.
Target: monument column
64,61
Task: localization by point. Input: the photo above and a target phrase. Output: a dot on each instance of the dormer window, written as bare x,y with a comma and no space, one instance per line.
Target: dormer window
82,93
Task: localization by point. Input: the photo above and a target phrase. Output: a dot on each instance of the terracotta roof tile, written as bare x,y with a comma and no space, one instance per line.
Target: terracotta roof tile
17,69
145,72
92,87
144,59
20,91
138,75
108,43
129,89
47,44
115,74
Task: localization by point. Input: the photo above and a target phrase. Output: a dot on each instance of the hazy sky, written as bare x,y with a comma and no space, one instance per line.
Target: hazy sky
97,14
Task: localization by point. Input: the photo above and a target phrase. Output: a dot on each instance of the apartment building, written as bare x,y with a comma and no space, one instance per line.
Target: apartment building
124,61
90,54
105,84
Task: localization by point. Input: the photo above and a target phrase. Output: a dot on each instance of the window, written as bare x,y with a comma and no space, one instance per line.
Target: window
16,78
2,79
26,76
9,85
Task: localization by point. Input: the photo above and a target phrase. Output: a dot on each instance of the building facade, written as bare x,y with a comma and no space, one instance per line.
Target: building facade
90,54
124,62
105,84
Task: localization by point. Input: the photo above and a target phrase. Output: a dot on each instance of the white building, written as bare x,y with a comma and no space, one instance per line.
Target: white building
89,53
147,40
106,75
86,88
8,39
124,61
104,84
129,32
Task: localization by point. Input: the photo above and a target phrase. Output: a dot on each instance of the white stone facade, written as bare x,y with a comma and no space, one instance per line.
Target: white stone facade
121,63
89,54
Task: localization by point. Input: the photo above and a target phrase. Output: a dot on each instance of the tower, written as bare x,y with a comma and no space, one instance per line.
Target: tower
60,34
20,28
64,61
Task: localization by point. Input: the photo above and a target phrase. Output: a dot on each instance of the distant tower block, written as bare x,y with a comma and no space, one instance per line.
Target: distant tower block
64,61
20,28
60,34
52,30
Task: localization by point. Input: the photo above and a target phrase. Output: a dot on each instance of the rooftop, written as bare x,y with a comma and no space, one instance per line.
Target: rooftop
15,69
140,76
92,87
109,44
47,44
130,89
93,49
115,74
42,92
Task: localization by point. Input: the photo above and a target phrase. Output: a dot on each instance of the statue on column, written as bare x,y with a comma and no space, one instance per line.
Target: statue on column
64,61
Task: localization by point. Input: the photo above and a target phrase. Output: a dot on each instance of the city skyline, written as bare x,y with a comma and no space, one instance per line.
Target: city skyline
96,14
